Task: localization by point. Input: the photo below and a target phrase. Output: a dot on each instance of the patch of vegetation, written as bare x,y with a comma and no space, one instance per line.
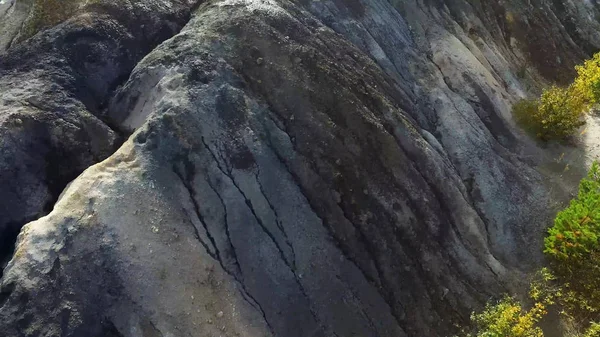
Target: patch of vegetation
556,115
47,13
506,318
559,112
593,331
587,83
526,113
571,284
573,246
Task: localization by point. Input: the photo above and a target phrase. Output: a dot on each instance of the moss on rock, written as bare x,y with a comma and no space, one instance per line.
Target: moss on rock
48,13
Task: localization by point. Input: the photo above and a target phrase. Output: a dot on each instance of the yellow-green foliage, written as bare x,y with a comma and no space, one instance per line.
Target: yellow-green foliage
550,290
554,116
507,318
573,247
527,114
571,285
47,13
576,229
559,111
587,82
593,331
544,288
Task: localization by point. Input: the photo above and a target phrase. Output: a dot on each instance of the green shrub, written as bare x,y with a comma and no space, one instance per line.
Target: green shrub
559,111
507,318
593,331
526,113
555,116
573,247
572,283
587,83
577,228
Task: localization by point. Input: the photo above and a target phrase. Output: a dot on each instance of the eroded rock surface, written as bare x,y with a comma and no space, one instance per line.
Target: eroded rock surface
52,89
296,168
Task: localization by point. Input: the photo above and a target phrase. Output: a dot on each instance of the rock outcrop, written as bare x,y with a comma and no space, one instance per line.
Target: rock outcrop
289,168
52,91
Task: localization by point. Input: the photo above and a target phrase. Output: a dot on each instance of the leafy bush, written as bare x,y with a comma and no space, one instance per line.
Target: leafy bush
572,283
526,113
574,248
559,111
587,83
593,331
576,229
507,318
555,116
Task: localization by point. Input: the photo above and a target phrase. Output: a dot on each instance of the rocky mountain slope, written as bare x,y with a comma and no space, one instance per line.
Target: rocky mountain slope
272,167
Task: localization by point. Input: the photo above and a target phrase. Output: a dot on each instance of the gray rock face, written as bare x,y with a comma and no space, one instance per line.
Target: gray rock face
52,89
12,15
309,168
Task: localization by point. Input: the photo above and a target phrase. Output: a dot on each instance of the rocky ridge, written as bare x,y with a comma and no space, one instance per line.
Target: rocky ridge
294,168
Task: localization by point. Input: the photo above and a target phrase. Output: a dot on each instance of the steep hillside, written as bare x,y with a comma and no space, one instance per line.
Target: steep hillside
289,168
